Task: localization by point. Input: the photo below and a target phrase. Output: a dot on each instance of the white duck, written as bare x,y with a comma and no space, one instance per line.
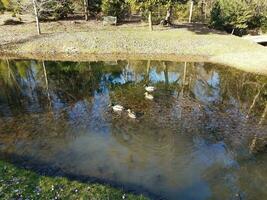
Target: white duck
117,108
150,88
131,114
148,96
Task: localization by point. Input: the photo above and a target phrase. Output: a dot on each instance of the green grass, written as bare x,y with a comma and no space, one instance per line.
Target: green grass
18,183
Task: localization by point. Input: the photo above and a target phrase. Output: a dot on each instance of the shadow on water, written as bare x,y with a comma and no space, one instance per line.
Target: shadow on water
191,142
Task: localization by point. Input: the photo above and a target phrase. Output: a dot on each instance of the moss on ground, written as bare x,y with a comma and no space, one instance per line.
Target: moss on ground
16,183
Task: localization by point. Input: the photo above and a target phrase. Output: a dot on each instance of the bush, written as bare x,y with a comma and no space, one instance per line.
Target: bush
117,8
264,25
237,16
95,7
2,7
231,15
56,9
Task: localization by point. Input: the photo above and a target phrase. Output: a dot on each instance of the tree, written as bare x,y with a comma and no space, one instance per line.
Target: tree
2,7
117,8
147,6
54,9
231,15
36,16
94,6
86,10
238,16
170,4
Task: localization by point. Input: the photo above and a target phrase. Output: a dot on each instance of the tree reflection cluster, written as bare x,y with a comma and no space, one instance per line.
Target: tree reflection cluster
201,117
192,97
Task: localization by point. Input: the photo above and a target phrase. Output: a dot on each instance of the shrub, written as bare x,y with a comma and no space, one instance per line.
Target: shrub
117,8
2,7
237,16
264,26
231,15
54,9
95,6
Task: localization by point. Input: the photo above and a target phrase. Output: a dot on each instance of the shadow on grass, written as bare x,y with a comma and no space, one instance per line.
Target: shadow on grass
198,28
47,169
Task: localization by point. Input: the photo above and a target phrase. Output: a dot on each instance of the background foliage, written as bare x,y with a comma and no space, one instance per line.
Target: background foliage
237,16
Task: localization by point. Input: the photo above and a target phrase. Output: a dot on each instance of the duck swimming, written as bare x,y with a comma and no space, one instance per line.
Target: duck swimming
131,114
148,96
117,108
150,88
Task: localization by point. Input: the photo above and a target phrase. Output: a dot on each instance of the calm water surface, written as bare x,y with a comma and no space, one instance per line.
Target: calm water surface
191,142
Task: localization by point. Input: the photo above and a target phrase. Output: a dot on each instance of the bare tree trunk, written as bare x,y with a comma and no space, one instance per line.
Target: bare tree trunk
46,84
254,100
233,31
36,17
263,115
86,10
150,21
191,11
203,10
166,74
146,78
184,79
168,15
8,67
148,68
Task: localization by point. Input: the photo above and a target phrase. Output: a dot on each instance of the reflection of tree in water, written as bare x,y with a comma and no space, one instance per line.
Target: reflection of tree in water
217,95
73,81
244,100
18,82
23,94
192,100
195,97
25,83
252,178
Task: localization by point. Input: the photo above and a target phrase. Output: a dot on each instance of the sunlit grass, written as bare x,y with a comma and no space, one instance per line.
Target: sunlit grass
16,183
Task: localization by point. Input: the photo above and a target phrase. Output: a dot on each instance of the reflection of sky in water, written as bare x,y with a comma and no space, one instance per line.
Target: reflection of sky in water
156,77
127,75
181,177
91,114
180,167
212,153
28,87
207,88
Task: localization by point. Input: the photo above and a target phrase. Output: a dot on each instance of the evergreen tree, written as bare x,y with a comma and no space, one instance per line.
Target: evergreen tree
231,15
118,8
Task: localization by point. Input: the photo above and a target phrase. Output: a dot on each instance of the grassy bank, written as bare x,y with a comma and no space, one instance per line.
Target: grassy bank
18,183
79,40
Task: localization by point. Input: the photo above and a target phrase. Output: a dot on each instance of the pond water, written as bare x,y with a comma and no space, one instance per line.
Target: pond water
190,142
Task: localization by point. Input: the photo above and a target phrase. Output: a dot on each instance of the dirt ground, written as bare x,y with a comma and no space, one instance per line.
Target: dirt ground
77,39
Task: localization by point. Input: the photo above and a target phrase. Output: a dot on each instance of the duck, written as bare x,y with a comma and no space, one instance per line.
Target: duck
117,108
150,88
131,114
148,96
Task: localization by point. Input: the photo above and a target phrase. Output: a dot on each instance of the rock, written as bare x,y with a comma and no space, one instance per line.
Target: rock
109,20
